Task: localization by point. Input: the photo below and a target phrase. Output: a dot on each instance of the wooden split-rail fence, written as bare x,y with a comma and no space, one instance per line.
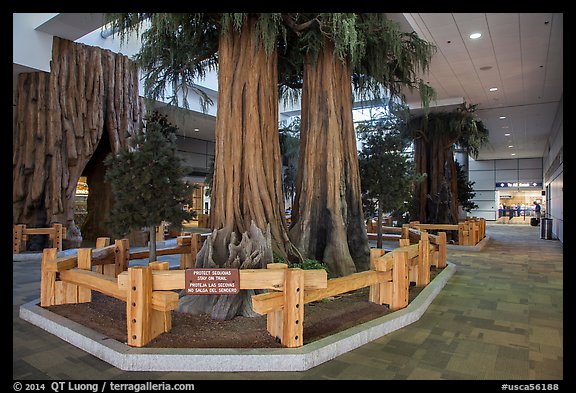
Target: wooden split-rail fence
149,291
20,236
470,231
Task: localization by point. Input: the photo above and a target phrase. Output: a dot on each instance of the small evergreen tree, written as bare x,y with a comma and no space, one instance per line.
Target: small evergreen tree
465,190
147,182
386,171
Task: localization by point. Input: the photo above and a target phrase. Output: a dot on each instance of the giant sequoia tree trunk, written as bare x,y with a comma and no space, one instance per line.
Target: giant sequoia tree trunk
60,118
327,220
437,195
246,198
247,183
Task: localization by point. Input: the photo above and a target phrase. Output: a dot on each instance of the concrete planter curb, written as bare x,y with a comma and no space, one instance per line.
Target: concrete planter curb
477,247
225,360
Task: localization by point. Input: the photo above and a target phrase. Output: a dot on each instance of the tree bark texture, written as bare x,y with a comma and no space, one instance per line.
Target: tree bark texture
327,219
437,195
224,249
60,118
247,183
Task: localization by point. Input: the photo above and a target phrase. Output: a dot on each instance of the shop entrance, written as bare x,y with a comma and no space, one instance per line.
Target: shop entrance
517,206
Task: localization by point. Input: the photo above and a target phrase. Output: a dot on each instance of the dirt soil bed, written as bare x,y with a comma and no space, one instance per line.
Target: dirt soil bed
107,316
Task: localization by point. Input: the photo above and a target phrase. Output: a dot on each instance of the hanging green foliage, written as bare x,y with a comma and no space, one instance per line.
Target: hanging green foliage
385,60
179,48
461,126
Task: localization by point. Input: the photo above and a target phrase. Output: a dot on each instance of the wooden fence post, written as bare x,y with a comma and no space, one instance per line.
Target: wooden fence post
377,293
18,242
102,242
139,305
161,321
400,281
84,263
188,260
441,250
121,256
462,234
274,323
472,233
404,242
293,312
405,231
47,278
56,236
195,246
185,258
477,237
423,276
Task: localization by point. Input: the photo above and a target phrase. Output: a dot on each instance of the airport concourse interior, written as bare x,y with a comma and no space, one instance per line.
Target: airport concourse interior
295,196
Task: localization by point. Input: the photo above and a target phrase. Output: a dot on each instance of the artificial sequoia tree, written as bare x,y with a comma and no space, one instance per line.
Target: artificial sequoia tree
66,121
340,51
177,50
246,200
435,135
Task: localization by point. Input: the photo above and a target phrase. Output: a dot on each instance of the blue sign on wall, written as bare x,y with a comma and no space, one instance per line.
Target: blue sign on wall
505,184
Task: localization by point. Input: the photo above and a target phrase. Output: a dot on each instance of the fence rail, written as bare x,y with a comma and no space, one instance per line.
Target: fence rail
20,236
149,290
470,232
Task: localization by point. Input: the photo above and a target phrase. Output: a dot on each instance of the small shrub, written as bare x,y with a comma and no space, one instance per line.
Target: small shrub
277,258
310,264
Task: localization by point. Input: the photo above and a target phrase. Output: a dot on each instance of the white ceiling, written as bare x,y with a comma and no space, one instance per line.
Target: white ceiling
524,53
525,56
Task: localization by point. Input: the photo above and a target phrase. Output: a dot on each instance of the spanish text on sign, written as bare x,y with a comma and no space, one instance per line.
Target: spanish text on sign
212,281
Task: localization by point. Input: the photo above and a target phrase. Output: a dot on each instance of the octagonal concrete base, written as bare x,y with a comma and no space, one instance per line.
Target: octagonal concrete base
243,359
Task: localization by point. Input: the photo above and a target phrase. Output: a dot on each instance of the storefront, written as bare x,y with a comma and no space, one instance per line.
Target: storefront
516,201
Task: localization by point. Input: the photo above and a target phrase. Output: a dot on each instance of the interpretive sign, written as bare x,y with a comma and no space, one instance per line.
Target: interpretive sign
212,281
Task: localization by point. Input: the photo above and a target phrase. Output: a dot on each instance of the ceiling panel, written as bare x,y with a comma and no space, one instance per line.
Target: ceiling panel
525,54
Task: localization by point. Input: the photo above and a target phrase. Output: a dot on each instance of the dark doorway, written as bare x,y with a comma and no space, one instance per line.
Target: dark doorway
100,199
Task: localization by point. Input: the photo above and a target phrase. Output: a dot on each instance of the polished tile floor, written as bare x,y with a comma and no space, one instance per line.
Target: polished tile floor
500,317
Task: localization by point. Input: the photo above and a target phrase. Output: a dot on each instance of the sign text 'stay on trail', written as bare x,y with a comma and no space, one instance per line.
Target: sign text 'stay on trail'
212,281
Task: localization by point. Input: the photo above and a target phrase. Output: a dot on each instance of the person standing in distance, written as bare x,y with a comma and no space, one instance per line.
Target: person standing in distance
537,210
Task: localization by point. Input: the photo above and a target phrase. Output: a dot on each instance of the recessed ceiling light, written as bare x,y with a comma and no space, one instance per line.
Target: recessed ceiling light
485,68
502,117
475,35
510,145
196,129
513,154
505,127
493,88
507,134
